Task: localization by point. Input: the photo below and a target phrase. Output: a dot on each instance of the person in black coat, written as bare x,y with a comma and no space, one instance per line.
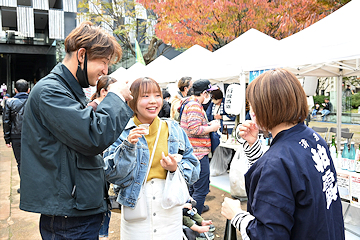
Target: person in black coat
12,118
165,110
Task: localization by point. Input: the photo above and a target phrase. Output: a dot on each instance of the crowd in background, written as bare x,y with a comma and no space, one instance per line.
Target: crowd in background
78,148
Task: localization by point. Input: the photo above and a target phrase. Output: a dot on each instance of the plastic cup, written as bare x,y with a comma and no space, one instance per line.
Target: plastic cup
146,126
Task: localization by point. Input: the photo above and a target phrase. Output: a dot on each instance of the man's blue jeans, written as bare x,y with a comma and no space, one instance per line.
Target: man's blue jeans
314,112
200,188
325,112
58,227
104,230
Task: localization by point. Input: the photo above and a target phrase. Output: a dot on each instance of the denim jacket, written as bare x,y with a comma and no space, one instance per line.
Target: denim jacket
126,163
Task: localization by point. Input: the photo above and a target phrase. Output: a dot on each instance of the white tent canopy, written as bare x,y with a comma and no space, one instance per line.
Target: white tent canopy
160,70
118,74
191,63
134,72
169,71
247,52
327,48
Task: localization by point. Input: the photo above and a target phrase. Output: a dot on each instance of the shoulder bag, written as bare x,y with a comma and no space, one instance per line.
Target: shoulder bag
139,213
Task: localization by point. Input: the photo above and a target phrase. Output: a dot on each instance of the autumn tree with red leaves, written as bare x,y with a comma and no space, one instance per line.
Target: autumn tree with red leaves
212,24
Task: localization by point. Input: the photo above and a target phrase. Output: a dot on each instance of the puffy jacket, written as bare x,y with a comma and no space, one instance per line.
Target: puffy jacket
13,116
127,163
62,173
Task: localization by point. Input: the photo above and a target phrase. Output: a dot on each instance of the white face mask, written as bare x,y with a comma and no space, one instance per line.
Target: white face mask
207,99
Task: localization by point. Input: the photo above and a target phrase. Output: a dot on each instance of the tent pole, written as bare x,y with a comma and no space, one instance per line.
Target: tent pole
338,112
243,93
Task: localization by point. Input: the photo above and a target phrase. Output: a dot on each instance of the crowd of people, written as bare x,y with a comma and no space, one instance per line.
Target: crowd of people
134,137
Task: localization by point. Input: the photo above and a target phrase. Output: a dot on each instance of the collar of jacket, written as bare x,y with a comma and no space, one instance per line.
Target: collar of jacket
180,96
67,77
297,129
21,95
130,124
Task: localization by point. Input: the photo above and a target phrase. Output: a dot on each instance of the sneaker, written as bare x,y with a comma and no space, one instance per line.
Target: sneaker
212,228
203,237
205,208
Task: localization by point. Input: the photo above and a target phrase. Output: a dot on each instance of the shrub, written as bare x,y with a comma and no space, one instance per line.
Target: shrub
319,99
355,100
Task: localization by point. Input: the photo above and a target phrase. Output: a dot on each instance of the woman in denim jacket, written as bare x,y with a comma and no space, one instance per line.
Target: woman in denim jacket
128,158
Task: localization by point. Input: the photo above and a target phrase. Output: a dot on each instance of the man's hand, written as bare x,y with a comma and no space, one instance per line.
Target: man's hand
187,205
230,208
122,88
218,117
8,145
215,125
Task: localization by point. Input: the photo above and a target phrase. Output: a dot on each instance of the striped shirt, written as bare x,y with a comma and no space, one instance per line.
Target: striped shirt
242,219
193,121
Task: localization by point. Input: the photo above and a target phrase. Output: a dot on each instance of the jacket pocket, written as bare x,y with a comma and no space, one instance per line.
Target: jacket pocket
89,186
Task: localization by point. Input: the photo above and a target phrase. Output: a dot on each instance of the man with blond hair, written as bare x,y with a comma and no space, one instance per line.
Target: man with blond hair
62,176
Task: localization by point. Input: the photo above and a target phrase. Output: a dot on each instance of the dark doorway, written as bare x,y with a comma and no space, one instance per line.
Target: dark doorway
31,67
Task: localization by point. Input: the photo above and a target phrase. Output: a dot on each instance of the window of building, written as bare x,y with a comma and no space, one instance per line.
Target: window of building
57,4
24,3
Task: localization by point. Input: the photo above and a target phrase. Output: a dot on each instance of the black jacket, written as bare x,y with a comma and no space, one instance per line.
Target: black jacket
62,140
13,116
165,110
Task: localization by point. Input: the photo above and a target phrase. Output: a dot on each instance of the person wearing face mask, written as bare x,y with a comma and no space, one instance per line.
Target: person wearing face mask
140,159
62,176
292,188
184,86
194,122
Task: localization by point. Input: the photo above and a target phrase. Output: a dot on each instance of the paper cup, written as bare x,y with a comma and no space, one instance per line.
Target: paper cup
178,157
146,126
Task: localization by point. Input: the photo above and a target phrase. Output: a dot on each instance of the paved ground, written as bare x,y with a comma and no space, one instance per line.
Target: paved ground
16,224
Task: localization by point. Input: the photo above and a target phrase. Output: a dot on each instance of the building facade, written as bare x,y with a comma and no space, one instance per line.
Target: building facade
32,29
29,30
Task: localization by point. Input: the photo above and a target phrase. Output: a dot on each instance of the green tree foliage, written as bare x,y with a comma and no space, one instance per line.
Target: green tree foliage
319,99
355,100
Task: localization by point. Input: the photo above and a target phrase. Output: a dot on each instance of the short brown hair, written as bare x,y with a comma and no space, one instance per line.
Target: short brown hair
140,86
184,82
217,94
276,97
103,83
97,42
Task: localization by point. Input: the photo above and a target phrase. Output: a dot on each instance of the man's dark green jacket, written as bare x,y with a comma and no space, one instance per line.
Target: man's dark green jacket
62,139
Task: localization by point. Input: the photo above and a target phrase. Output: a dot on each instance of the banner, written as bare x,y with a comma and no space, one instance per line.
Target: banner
139,56
255,74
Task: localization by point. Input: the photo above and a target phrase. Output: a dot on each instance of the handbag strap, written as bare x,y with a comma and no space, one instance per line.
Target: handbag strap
153,152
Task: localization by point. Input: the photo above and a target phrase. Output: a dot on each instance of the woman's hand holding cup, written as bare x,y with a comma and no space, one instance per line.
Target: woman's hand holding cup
136,133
